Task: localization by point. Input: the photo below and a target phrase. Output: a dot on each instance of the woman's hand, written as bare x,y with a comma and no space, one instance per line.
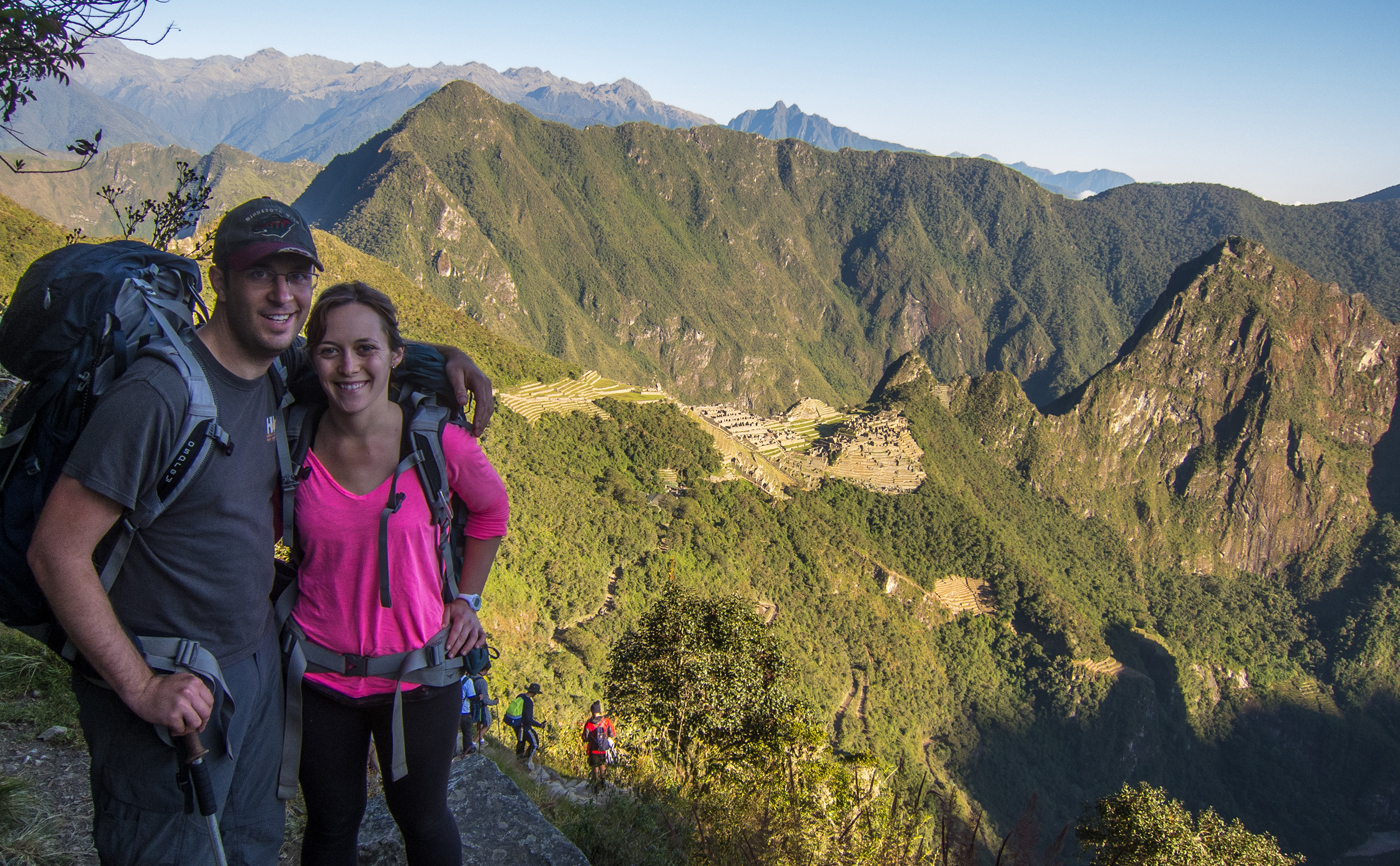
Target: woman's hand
466,632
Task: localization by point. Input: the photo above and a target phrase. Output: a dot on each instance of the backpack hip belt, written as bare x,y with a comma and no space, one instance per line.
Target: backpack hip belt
170,655
428,665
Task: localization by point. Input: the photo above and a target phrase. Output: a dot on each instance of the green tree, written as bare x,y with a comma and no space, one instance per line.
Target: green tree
1143,827
706,676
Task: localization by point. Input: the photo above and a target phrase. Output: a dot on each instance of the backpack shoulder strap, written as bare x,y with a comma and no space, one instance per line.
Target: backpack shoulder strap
286,468
426,425
200,425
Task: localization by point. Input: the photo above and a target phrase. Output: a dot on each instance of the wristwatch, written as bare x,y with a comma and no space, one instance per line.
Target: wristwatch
471,599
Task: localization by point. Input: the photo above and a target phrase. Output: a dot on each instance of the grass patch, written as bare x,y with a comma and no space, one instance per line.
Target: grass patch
35,686
26,837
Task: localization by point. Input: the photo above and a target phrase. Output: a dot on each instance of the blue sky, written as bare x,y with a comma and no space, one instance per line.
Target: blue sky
1293,101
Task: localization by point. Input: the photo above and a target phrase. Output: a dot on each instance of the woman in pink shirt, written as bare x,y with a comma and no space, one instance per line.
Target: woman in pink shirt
354,341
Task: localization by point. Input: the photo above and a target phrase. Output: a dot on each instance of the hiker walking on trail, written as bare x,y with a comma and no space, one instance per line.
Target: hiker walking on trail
476,713
375,584
199,570
521,716
598,737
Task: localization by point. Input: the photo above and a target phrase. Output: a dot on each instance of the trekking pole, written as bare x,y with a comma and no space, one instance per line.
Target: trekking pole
204,792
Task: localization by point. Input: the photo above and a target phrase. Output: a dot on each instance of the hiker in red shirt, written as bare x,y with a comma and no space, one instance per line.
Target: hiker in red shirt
598,735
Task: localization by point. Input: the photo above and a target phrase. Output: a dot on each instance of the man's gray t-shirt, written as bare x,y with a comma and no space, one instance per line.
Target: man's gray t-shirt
203,569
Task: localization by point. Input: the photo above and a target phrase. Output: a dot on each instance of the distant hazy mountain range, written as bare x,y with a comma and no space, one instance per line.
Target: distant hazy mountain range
308,107
1071,184
788,121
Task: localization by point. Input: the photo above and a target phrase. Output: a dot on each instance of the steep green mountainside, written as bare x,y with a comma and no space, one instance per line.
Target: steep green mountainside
1245,693
1237,429
146,171
24,236
1390,192
734,268
1140,233
1271,694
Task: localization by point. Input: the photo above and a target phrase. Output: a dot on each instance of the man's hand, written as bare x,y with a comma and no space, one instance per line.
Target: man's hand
73,521
468,382
466,632
181,702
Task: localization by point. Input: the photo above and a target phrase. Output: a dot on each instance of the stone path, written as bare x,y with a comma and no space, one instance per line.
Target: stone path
499,823
500,826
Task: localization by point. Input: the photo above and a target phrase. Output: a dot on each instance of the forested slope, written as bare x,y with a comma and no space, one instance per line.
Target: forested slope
999,706
732,267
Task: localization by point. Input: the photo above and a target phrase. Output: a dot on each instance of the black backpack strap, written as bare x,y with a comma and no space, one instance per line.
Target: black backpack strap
286,471
391,508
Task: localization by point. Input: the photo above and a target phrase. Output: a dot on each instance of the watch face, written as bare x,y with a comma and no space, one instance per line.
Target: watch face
474,601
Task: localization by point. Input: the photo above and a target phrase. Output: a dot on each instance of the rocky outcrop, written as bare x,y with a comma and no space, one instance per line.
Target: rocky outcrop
499,824
1234,429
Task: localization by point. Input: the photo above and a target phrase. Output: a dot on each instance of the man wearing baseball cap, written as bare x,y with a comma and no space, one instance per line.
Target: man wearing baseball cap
201,571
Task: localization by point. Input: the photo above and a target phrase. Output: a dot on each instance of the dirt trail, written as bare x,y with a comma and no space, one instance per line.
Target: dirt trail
609,602
56,778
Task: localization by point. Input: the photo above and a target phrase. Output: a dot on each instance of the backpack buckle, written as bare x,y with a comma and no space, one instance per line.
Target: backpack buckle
185,652
435,653
355,666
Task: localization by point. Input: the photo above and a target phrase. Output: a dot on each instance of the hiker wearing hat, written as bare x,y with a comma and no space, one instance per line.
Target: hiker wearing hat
200,571
526,740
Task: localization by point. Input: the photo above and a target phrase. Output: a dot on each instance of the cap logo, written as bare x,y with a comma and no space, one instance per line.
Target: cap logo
275,227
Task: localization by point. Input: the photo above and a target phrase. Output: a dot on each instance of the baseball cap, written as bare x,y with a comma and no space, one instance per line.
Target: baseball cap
259,228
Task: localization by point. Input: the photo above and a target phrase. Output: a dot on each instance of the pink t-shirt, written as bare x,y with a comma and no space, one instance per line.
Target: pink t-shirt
339,578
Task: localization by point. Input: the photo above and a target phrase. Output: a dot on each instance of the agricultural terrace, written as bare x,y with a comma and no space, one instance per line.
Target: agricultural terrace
573,395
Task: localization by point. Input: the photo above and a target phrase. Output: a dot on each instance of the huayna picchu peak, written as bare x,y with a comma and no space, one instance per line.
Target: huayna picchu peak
1237,426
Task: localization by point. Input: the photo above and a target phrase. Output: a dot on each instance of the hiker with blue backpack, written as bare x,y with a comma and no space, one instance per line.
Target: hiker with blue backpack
375,584
476,713
179,441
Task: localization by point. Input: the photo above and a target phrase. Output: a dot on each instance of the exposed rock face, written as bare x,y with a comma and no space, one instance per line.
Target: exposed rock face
1236,426
499,824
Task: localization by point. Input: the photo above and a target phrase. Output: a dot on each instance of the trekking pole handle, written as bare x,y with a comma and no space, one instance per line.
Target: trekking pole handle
199,774
194,747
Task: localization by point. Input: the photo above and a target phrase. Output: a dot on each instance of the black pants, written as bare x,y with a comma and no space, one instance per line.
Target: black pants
526,740
334,743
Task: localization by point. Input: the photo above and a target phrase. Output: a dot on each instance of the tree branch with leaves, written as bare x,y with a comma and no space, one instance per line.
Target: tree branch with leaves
42,39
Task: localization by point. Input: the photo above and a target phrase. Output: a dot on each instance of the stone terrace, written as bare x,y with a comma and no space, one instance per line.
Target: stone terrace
572,395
